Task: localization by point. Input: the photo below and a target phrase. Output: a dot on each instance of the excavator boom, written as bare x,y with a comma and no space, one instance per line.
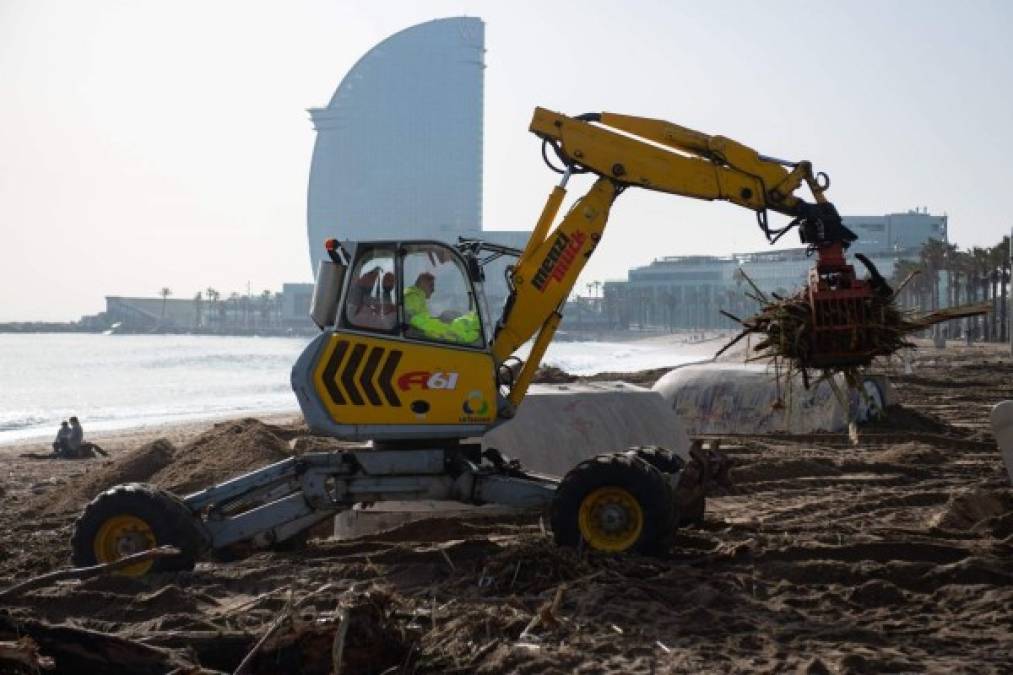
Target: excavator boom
625,151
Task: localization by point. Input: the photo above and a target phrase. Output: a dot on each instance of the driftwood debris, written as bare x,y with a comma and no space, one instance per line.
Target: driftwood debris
245,666
23,653
352,631
80,650
214,649
88,572
338,644
547,614
787,333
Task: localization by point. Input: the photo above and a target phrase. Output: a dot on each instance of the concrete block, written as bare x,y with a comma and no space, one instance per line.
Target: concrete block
559,425
383,516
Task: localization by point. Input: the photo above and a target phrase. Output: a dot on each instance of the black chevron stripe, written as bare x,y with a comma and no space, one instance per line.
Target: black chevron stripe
387,377
348,374
332,368
366,379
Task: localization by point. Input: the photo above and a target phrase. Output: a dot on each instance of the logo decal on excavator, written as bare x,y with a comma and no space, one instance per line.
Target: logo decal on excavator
368,379
559,258
475,404
423,379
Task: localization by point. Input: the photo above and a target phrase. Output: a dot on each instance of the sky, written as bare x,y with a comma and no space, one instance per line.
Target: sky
150,144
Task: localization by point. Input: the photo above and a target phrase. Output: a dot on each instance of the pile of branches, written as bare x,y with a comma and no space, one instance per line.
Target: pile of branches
786,332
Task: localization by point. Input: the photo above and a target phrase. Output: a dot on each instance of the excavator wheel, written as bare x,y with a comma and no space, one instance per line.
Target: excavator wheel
131,518
614,503
689,495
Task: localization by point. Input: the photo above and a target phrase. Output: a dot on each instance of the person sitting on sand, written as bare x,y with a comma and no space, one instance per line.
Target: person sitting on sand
60,444
69,444
80,448
76,438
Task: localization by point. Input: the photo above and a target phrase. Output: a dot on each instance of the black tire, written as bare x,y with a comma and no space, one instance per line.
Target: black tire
689,498
662,459
169,523
625,471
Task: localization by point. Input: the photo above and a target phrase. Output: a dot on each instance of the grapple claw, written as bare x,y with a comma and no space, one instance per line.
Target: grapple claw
843,312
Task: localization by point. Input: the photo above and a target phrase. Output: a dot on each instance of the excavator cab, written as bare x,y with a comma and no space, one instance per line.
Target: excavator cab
404,351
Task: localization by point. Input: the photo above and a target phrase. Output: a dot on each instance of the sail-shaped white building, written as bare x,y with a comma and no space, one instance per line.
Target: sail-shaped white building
398,152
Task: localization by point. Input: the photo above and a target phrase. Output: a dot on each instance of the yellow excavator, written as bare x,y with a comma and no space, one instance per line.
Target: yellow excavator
411,360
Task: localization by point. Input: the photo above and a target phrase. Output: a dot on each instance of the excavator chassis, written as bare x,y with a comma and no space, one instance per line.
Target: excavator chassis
274,504
277,502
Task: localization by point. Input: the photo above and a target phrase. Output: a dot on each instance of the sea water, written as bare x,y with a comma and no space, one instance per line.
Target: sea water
125,381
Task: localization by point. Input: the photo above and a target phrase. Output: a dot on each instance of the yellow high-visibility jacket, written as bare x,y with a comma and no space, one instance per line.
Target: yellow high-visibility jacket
463,329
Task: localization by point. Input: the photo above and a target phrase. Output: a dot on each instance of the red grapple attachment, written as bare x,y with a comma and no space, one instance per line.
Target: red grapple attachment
844,313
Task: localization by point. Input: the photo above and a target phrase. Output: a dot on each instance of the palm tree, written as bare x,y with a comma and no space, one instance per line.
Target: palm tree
960,266
950,253
981,262
165,293
933,254
998,261
212,296
908,295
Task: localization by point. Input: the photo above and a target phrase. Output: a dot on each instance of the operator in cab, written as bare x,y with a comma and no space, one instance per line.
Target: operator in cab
463,329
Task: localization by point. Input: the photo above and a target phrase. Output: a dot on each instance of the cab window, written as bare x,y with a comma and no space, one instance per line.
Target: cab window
371,303
438,302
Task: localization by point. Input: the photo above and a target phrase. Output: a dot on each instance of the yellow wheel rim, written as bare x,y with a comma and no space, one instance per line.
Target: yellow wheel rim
610,519
121,536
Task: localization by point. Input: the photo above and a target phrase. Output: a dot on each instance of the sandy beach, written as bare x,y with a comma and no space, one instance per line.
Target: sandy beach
892,556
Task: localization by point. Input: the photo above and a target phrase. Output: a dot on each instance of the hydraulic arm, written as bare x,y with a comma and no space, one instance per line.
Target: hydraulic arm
625,151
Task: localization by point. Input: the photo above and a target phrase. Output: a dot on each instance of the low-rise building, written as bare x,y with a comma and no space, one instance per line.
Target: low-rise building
692,291
268,313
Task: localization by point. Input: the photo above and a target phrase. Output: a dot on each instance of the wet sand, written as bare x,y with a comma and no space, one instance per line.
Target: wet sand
893,556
